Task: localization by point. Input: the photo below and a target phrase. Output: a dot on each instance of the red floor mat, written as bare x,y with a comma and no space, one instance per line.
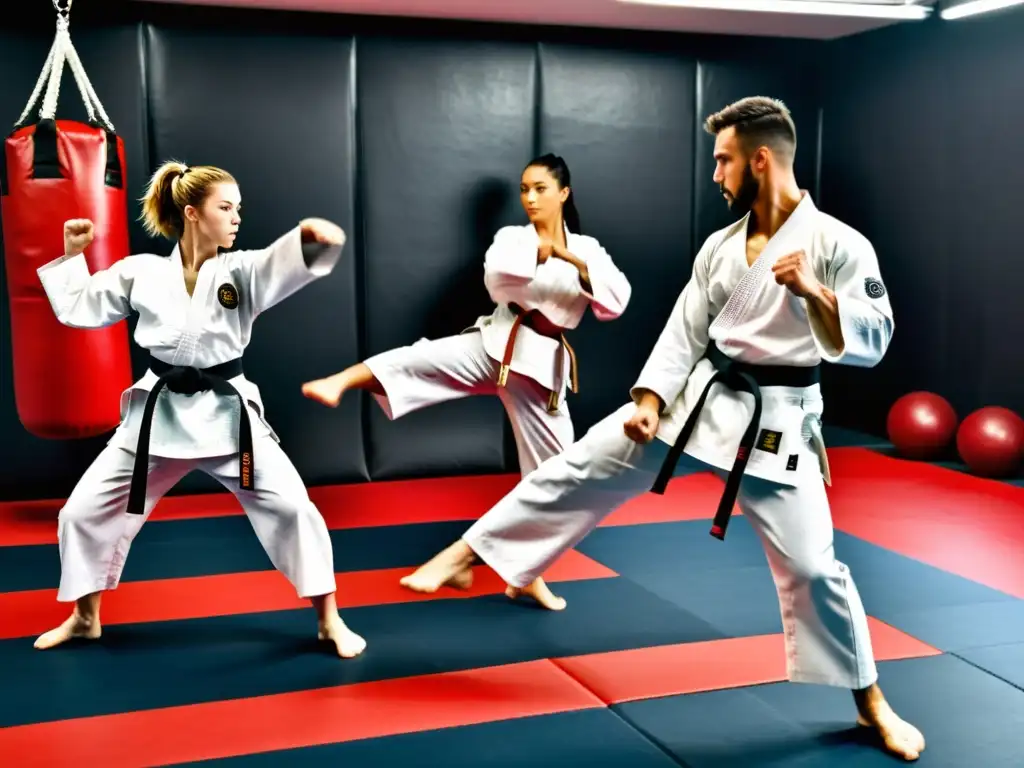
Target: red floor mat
962,524
406,705
670,670
282,721
966,525
377,504
32,612
359,505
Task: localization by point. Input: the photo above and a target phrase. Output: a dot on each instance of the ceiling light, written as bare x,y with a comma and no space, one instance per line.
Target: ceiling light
807,7
963,10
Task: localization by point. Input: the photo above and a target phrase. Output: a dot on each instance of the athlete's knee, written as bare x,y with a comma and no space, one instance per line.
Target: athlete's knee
289,510
817,572
599,457
83,505
299,514
72,515
607,442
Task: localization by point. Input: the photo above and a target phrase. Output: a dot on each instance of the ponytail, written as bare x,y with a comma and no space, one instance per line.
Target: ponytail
172,187
571,215
160,216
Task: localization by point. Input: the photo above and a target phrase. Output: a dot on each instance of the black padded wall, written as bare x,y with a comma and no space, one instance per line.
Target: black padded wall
444,125
922,153
411,135
623,119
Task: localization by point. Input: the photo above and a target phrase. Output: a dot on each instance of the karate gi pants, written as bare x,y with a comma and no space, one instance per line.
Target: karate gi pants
95,533
555,507
435,371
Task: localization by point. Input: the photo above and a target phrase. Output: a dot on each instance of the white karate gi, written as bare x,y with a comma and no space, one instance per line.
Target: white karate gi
433,371
189,432
756,320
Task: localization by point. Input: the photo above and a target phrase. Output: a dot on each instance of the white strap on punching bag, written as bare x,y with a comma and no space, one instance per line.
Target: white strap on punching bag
63,50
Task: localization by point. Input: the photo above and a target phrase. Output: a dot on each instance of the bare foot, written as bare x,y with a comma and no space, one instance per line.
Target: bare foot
76,626
347,642
417,583
452,567
900,737
540,592
327,391
461,580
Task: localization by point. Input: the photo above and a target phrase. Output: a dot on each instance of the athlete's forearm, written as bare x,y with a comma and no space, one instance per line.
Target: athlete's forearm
825,305
651,400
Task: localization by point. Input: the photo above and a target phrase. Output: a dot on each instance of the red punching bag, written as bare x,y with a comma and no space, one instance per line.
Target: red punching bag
67,381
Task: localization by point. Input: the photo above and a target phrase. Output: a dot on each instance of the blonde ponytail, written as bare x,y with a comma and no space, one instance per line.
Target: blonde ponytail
172,187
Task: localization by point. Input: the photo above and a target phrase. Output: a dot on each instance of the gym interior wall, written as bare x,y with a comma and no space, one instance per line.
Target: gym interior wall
921,152
412,134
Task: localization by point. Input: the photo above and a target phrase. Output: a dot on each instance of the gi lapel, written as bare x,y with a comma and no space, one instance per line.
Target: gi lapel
786,240
202,296
191,314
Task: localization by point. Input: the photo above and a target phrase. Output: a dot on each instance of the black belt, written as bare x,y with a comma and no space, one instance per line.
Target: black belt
190,381
740,377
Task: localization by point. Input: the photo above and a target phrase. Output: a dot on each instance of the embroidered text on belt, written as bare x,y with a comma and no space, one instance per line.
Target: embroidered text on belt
510,346
190,381
740,377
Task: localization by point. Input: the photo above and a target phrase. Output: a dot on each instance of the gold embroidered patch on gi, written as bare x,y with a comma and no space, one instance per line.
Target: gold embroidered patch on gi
769,440
227,295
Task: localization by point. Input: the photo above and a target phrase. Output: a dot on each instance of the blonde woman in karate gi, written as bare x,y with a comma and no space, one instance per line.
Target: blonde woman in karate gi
193,408
542,276
770,297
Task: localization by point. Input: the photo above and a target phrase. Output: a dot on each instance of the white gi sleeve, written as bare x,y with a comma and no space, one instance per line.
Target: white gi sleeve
684,339
508,266
610,288
865,314
275,273
83,300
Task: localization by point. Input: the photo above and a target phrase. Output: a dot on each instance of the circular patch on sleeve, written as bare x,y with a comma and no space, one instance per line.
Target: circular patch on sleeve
873,287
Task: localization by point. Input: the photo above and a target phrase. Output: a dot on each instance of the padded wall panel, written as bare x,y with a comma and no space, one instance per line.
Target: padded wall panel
110,53
275,108
623,121
921,143
982,91
873,167
445,130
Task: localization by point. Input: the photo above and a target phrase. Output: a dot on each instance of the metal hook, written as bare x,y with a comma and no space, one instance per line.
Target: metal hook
63,15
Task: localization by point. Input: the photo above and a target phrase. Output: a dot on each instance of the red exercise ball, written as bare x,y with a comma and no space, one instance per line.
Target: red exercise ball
991,441
921,425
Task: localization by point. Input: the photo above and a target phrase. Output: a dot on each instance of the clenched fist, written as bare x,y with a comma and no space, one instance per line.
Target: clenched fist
794,272
78,233
321,231
642,426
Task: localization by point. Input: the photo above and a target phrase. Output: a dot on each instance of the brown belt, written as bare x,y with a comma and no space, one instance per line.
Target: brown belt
526,316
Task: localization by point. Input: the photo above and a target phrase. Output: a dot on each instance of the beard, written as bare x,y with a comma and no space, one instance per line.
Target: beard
743,200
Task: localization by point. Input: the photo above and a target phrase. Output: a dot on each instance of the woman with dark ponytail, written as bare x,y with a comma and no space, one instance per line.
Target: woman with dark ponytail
559,171
542,276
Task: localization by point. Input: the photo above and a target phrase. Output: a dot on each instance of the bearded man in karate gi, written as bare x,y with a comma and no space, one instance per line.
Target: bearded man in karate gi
732,386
